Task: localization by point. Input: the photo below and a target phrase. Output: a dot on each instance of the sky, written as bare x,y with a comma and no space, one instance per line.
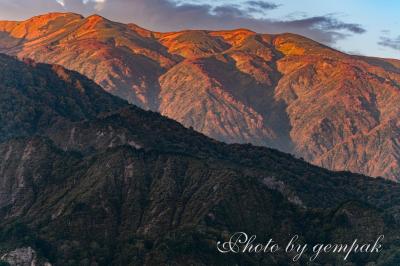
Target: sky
365,27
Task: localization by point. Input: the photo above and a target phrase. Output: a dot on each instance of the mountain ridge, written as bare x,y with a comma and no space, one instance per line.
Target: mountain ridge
282,91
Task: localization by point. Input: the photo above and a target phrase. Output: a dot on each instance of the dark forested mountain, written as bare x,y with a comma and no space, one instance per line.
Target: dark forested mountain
83,182
283,91
35,96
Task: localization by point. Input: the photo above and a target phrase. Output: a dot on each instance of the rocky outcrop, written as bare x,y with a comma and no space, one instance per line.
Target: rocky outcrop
23,257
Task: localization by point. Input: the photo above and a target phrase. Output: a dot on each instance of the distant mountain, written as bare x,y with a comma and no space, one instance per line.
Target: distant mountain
129,187
283,91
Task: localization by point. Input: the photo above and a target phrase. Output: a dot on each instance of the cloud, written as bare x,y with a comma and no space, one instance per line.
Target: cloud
393,43
262,5
229,10
166,15
81,7
327,22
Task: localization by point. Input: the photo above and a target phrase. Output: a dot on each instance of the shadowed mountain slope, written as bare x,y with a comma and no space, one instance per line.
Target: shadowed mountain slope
130,187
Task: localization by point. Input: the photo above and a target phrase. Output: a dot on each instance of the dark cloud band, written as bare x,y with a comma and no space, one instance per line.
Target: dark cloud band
393,43
262,5
165,15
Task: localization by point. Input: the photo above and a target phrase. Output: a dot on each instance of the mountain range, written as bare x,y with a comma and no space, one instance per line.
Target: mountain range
88,179
283,91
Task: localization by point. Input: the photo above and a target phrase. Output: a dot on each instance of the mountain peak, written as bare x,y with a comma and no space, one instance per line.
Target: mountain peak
96,17
237,31
38,26
96,21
